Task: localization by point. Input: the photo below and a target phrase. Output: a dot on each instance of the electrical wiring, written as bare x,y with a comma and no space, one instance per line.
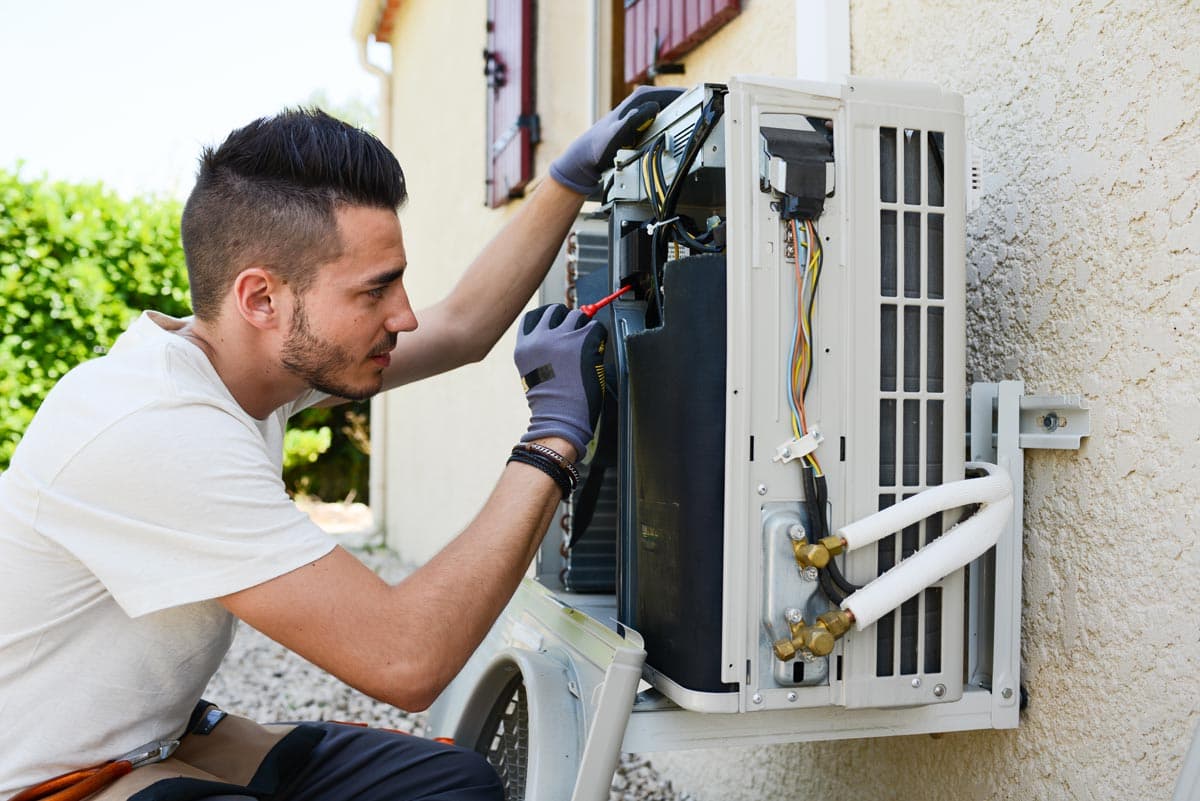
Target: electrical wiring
807,251
800,356
663,195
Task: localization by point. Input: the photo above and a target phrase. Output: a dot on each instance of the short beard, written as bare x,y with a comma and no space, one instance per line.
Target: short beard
317,361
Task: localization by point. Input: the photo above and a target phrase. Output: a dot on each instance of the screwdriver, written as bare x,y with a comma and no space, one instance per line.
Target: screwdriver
591,308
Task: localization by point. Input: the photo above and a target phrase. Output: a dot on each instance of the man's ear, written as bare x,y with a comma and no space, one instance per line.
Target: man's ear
257,293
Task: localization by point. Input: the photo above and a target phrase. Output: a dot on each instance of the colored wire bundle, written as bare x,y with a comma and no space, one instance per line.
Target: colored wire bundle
808,262
800,356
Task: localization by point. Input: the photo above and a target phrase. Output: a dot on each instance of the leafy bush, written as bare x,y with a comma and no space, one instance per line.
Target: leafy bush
342,470
303,446
77,264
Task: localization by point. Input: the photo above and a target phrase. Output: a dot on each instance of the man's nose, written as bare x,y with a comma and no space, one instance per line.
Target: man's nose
402,316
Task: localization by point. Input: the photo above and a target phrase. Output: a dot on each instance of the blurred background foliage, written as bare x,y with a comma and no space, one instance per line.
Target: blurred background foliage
77,264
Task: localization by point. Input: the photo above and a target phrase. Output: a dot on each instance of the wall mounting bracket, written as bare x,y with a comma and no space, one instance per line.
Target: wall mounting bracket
1054,421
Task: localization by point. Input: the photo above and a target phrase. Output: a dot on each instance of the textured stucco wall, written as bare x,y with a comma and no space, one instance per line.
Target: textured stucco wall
1084,264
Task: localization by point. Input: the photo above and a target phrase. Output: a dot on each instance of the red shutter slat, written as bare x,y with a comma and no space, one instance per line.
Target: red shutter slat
692,21
510,137
640,26
680,26
670,27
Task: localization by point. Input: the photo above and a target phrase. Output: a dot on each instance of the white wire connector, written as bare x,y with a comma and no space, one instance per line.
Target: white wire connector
798,448
651,227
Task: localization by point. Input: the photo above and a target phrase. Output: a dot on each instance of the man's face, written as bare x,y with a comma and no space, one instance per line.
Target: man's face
344,326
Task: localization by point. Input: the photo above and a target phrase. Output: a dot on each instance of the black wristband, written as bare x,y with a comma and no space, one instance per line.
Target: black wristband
554,456
560,477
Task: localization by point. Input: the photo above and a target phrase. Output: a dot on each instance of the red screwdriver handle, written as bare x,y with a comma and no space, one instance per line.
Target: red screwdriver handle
591,308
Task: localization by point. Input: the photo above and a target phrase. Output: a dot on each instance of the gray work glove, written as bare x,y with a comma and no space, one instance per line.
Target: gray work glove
592,153
560,356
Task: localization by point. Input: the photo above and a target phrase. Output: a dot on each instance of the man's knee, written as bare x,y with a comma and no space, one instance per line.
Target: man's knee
474,774
372,764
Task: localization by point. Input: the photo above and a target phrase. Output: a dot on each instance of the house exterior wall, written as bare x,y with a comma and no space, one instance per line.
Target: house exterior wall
1084,260
448,437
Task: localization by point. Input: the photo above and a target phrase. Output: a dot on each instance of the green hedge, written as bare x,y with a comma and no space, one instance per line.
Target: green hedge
77,264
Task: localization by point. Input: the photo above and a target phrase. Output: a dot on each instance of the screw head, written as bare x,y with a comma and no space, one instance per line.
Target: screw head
1006,692
809,574
756,698
793,615
939,690
762,489
796,532
791,696
916,683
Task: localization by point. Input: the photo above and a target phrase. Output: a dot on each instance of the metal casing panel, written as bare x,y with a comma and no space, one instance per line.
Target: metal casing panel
919,398
845,396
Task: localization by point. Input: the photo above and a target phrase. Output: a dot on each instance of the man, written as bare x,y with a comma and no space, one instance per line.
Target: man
143,511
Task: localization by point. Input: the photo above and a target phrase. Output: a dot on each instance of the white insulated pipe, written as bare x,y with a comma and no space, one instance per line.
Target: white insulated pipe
874,527
960,545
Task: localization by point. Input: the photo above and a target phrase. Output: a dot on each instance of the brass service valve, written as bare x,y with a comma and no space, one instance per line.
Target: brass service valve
815,640
836,621
805,640
817,554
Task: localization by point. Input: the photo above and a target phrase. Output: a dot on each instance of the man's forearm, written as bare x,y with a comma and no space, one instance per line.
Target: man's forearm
454,599
500,282
404,643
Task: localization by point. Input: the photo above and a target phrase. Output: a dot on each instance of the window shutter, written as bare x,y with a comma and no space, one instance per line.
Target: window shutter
661,31
512,128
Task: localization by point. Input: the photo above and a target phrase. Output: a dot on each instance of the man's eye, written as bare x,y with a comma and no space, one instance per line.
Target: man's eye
377,292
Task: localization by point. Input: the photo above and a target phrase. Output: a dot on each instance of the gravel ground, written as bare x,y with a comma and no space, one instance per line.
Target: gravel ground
264,681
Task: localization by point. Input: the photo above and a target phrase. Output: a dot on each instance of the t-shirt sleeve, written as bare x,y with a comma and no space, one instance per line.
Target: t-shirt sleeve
172,506
310,398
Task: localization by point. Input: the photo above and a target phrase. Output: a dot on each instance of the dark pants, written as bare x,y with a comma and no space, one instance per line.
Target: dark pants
363,764
337,762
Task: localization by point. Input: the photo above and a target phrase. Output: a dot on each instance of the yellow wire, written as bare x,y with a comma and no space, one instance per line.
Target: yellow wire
807,282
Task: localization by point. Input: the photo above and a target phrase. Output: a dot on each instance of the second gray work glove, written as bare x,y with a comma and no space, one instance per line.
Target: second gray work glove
560,356
579,168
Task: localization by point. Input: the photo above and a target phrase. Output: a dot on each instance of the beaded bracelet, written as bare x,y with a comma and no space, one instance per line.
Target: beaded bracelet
551,468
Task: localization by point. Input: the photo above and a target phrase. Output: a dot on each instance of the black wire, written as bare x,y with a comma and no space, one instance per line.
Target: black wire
816,522
835,572
655,278
657,203
664,210
709,115
692,240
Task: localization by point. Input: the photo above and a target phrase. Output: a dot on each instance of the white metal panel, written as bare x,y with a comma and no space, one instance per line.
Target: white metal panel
845,394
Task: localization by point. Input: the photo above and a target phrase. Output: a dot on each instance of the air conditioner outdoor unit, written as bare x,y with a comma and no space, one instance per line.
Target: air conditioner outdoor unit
775,521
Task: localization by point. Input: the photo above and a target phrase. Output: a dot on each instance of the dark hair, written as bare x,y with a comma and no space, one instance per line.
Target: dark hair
268,195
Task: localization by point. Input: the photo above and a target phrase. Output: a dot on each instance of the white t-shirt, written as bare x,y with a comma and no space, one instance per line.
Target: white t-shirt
140,492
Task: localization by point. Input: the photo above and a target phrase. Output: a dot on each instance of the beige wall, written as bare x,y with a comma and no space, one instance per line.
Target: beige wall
1084,264
448,437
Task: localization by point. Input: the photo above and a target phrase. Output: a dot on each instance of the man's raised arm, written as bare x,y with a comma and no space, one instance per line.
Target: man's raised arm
464,326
